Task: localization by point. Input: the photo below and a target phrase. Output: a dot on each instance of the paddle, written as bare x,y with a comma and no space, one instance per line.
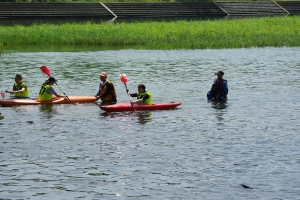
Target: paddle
2,95
123,78
46,71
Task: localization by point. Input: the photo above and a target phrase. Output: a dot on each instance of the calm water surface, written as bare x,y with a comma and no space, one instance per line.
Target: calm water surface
202,150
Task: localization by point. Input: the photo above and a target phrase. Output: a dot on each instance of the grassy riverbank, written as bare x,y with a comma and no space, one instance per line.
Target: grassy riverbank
239,33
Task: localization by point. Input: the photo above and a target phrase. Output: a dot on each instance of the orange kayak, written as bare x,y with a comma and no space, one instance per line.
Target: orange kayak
121,107
57,100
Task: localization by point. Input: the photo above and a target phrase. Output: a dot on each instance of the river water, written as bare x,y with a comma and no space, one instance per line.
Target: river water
202,150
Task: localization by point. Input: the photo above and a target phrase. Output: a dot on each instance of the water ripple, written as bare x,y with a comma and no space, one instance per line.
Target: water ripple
202,150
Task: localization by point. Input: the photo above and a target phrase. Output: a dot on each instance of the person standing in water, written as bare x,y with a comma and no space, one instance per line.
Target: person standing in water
107,91
219,88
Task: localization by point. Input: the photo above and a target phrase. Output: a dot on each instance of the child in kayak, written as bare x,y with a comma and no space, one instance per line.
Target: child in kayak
143,97
20,89
47,90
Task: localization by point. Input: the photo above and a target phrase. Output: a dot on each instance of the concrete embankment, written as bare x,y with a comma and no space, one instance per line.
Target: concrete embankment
28,13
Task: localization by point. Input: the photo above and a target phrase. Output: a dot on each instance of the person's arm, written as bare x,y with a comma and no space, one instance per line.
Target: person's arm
138,101
17,91
58,95
98,93
10,91
52,91
141,100
23,89
225,89
132,95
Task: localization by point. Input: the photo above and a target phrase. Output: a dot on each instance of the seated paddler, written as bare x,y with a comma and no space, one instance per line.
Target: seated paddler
143,97
20,89
47,90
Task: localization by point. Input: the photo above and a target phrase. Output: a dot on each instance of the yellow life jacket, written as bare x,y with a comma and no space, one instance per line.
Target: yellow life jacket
146,101
43,94
19,87
111,97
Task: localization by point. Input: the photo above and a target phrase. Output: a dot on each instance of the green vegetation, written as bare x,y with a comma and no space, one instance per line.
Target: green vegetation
238,33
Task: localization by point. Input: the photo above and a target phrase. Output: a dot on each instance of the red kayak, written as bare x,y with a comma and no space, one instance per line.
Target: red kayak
58,100
121,107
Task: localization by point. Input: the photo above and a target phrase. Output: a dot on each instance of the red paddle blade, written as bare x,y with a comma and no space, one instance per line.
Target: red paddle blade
123,78
2,95
45,70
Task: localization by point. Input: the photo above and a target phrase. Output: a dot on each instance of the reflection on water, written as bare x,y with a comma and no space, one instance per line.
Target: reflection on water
144,117
218,104
141,116
46,108
48,111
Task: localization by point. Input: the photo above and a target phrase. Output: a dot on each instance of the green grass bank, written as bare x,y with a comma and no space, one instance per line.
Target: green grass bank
213,34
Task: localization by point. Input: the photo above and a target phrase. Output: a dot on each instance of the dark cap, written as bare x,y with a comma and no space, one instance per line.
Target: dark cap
142,86
18,76
219,72
51,79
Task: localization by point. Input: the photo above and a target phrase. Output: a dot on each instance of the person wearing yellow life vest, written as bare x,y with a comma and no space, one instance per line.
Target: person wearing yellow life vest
107,92
47,90
20,89
143,97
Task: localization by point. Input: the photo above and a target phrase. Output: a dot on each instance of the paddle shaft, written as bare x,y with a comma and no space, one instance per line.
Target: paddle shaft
129,97
64,93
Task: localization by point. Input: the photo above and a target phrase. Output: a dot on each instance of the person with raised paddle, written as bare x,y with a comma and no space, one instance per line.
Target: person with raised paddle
47,72
47,90
107,92
219,88
143,97
20,89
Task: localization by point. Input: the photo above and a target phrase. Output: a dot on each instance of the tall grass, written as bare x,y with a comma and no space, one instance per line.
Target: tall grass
238,33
